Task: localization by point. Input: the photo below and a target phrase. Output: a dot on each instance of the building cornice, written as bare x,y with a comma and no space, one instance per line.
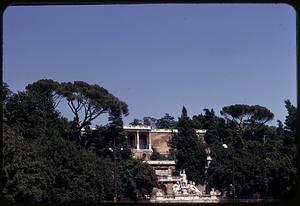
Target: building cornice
148,128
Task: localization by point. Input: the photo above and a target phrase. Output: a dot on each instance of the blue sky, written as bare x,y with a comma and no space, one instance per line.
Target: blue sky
158,58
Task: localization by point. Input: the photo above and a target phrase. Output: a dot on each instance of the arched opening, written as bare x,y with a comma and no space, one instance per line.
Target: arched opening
131,140
163,189
143,141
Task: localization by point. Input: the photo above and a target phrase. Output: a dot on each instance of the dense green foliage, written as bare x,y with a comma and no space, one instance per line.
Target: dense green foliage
260,158
188,150
157,156
47,158
43,162
166,122
150,121
136,122
137,179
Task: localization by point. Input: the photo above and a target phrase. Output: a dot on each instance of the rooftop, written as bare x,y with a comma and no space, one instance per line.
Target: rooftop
146,127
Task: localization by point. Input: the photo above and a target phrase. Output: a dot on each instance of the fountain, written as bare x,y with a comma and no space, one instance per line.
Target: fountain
185,192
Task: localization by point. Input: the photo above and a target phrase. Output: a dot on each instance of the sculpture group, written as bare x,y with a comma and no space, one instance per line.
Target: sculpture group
182,187
186,192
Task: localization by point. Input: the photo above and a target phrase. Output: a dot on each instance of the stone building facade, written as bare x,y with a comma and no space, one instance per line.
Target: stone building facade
143,139
164,170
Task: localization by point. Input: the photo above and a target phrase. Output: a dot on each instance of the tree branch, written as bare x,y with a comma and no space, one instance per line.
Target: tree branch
56,104
71,107
97,115
75,112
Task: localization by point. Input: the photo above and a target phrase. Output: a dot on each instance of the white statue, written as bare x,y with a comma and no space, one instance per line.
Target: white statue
190,188
213,192
176,188
195,189
184,180
182,186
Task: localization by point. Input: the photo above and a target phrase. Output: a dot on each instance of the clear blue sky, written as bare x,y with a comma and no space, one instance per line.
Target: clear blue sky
158,58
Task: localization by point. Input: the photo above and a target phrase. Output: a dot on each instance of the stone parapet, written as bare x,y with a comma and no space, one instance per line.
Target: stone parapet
165,179
184,199
164,130
160,162
137,127
142,153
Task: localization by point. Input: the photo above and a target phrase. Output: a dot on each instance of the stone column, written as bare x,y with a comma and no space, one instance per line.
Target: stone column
137,140
149,140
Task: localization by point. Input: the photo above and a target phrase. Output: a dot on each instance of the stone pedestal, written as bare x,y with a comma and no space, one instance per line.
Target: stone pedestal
169,187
